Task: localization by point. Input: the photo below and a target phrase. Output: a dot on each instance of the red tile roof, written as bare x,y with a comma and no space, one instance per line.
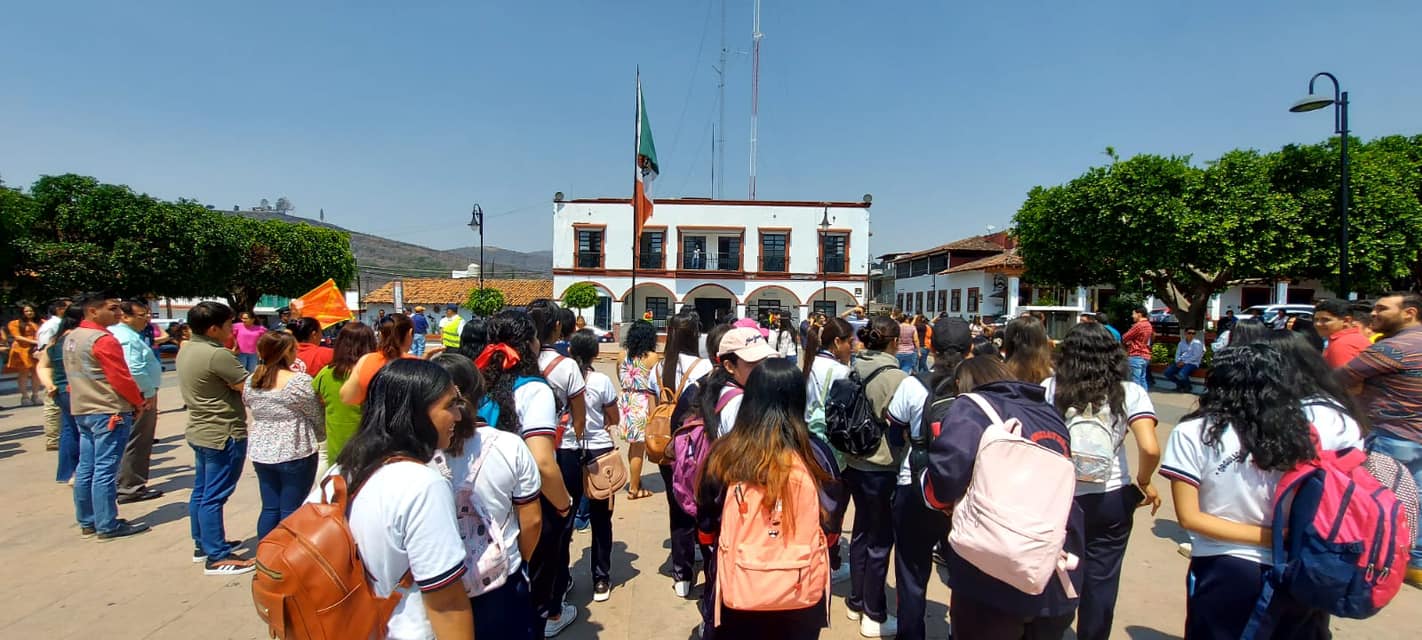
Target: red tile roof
1006,261
989,243
517,293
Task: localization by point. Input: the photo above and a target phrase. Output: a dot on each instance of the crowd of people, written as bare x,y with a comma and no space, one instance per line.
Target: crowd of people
469,464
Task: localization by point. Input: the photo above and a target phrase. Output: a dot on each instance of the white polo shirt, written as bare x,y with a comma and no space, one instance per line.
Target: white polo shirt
906,408
599,393
566,379
508,477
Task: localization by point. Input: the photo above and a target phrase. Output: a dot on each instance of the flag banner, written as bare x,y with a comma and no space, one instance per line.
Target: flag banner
646,169
326,303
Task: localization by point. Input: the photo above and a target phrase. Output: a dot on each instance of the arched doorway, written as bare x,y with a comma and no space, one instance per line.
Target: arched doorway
773,300
832,301
712,303
649,297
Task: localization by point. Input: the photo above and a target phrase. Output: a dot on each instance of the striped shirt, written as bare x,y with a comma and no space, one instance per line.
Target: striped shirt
1390,372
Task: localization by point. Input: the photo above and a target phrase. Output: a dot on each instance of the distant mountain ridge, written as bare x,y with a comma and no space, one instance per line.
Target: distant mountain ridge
380,259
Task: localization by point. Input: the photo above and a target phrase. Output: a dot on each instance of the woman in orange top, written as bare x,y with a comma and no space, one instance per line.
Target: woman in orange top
24,337
396,335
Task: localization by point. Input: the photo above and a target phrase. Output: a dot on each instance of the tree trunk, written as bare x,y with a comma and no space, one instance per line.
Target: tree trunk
1188,303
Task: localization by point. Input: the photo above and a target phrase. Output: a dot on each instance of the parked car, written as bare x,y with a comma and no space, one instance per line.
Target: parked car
1164,322
603,335
1275,315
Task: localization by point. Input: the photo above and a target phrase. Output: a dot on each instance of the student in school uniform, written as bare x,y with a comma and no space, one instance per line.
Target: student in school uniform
601,397
681,369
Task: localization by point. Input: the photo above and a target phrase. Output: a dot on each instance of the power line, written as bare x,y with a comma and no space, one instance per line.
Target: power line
691,83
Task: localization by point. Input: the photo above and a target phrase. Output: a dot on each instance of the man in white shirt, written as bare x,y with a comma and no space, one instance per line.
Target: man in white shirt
1188,356
48,331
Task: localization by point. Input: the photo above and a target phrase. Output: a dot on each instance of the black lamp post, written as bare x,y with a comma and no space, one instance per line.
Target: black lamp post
1339,101
824,257
476,224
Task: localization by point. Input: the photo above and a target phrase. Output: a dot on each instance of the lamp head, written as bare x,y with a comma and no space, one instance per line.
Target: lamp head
1312,102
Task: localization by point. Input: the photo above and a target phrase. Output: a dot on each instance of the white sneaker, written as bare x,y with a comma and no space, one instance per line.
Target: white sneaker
553,627
682,588
1185,549
852,615
870,629
841,574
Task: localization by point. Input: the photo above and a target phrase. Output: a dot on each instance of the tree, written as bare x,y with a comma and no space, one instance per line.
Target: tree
580,295
285,259
485,302
283,205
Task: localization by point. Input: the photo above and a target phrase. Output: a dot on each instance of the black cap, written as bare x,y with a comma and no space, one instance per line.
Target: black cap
952,334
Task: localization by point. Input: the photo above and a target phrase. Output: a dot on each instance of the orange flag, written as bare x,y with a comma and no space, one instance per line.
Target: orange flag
326,303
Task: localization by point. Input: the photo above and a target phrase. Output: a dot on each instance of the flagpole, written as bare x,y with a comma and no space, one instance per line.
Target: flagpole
636,167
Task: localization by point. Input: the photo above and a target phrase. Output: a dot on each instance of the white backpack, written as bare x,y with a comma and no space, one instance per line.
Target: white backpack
1093,443
487,564
1011,524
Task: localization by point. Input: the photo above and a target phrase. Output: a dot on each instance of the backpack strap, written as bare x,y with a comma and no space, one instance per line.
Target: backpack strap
727,397
986,407
553,365
685,377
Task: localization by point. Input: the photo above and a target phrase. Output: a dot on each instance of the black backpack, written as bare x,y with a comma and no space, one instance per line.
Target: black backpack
934,408
850,423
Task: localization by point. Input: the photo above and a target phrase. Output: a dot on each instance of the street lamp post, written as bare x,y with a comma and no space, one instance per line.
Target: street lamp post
1339,101
476,224
824,257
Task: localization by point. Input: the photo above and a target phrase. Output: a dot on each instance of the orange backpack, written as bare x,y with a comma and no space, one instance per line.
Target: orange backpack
761,565
659,427
310,583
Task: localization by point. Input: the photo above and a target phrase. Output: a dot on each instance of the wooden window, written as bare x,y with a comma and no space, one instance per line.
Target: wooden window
901,269
918,303
919,267
938,263
972,299
942,301
590,243
774,251
899,302
653,250
828,307
659,307
955,301
834,253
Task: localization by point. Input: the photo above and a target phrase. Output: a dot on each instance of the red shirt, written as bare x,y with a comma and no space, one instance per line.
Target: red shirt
109,355
314,356
1137,339
1345,345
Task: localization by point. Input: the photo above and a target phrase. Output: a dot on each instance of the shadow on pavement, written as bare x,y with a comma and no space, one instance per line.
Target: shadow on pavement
8,449
1146,633
21,433
1170,530
165,513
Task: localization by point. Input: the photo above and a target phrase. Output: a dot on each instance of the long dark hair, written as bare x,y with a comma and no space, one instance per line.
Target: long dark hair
1306,372
769,434
1091,366
1028,349
471,387
983,347
545,314
395,420
474,337
394,330
1248,331
583,347
947,356
786,326
641,340
354,340
683,337
817,339
277,350
513,328
881,332
712,383
1244,392
73,316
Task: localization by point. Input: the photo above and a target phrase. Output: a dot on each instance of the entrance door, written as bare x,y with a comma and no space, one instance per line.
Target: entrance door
713,309
602,313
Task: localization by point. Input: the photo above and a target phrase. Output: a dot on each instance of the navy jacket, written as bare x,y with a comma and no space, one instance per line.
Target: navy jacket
951,455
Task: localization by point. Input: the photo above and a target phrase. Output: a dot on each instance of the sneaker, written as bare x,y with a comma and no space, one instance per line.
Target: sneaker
852,615
201,556
682,588
139,496
841,574
602,590
554,626
870,629
232,565
123,530
1185,549
86,532
1413,577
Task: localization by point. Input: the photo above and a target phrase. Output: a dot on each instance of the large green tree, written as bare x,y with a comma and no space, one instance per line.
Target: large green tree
285,259
1182,233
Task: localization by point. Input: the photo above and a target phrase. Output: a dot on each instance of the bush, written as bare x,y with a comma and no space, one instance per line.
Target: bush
1119,310
581,295
485,302
1159,354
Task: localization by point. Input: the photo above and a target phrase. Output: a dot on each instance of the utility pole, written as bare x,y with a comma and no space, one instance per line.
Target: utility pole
756,35
719,138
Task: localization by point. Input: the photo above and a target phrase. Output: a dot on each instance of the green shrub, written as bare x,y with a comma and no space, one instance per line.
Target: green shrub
485,302
1159,354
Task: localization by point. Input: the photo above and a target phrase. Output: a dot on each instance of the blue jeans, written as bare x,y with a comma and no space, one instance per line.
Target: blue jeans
283,486
215,474
922,360
417,346
1139,366
1408,454
96,477
68,439
249,361
1180,375
907,361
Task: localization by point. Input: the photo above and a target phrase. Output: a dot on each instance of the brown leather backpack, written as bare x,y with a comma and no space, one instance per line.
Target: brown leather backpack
310,583
658,434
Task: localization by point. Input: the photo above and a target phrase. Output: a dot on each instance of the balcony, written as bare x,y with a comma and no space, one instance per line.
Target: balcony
774,264
652,261
835,264
715,262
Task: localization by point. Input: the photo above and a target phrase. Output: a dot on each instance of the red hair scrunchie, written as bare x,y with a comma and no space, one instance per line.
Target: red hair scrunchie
511,357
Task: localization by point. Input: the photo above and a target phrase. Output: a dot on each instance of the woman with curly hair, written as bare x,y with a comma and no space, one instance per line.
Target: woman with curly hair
520,401
639,393
1224,462
1027,349
1091,380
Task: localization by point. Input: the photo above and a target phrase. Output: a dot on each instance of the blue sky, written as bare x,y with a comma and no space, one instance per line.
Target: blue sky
395,120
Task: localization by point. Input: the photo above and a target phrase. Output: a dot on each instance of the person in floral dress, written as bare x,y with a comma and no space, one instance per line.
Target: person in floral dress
639,394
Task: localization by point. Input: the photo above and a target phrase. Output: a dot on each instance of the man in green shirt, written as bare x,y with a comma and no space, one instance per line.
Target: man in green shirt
211,380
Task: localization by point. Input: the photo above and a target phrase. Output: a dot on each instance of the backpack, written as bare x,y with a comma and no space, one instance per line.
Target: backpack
1093,443
1012,522
761,565
483,535
659,426
489,410
834,496
310,582
565,417
689,448
930,425
1340,539
816,423
850,422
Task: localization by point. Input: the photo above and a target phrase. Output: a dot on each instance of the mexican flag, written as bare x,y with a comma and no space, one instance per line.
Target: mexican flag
646,167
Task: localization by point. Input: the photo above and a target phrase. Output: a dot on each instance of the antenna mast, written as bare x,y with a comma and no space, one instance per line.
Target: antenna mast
756,35
718,137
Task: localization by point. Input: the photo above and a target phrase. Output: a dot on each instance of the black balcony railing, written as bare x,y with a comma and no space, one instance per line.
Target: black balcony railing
835,264
651,261
773,263
589,260
717,262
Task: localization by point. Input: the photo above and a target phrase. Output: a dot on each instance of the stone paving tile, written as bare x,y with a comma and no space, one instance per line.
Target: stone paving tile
147,587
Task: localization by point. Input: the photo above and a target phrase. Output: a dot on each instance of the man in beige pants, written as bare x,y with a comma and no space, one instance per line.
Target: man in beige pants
48,331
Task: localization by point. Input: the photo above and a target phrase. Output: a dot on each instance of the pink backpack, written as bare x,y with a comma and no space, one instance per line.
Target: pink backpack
1011,524
761,565
689,448
483,535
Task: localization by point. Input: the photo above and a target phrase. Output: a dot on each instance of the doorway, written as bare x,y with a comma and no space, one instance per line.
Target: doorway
713,310
602,313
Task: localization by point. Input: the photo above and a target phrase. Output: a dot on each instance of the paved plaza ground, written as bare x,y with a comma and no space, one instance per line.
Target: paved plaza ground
148,587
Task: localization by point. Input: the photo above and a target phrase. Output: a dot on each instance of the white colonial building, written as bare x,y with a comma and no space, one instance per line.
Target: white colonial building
715,256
